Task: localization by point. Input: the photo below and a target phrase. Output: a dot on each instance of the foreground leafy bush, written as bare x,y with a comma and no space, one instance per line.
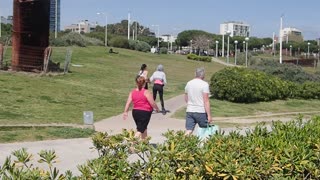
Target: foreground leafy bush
247,86
289,151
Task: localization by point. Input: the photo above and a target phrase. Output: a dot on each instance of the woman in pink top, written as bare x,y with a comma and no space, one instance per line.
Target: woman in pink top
143,105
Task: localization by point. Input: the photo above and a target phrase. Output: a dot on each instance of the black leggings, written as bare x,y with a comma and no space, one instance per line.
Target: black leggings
158,88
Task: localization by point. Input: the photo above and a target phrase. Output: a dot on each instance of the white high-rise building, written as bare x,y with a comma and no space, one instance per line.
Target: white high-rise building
235,28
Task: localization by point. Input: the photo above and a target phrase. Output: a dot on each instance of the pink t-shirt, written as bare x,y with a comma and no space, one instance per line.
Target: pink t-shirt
140,101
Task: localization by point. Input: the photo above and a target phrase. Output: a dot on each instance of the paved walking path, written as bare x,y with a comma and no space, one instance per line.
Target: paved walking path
221,62
73,152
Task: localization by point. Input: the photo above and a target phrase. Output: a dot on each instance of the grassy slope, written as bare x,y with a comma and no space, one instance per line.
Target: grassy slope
101,85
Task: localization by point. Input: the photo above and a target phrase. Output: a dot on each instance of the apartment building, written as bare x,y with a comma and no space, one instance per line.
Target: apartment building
235,28
291,34
81,27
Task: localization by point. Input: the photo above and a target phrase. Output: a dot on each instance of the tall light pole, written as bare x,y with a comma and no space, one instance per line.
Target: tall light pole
217,44
244,45
56,20
280,39
223,44
158,34
247,41
106,29
0,24
79,26
228,50
208,47
318,55
308,50
235,52
290,50
128,25
190,46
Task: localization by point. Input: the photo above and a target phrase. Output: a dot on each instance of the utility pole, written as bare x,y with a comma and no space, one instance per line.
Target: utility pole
0,24
128,26
280,38
56,20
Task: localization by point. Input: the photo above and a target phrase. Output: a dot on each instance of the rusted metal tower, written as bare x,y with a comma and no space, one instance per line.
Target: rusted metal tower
30,34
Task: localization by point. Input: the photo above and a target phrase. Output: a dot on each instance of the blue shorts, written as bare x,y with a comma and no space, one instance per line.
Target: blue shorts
193,118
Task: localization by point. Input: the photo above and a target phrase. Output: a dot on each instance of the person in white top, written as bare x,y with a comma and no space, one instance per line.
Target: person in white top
198,103
159,80
144,73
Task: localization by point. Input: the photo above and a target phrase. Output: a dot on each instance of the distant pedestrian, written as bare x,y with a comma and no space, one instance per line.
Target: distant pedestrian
159,80
198,103
144,73
143,105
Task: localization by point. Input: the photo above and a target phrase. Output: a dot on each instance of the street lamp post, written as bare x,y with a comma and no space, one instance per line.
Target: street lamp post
247,40
0,25
235,52
223,44
106,30
308,50
318,55
56,20
208,47
290,50
244,45
79,27
190,46
280,40
228,50
217,44
158,34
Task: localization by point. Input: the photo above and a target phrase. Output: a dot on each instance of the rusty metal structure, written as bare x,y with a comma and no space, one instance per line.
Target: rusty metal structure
30,35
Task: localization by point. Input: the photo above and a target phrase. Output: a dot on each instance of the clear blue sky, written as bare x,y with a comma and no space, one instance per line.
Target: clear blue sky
174,16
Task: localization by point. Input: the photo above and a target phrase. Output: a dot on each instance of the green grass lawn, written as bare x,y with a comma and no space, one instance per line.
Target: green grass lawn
101,85
229,109
14,134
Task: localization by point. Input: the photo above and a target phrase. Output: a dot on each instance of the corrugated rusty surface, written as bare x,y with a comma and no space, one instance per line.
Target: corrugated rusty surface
30,34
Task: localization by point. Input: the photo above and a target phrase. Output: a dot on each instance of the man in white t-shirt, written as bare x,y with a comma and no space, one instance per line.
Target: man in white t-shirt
198,103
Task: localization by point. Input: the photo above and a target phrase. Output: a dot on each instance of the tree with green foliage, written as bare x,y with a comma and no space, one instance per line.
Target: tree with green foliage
184,37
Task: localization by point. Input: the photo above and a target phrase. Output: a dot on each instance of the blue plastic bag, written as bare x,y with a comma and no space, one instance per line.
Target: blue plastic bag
205,133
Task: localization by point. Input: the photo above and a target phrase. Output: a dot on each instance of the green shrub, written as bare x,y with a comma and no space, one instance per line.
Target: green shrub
241,59
139,45
163,50
199,58
132,44
246,86
75,39
288,72
308,90
120,42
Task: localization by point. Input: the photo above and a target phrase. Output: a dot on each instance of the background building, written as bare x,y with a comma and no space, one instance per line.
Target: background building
84,26
168,38
54,10
235,28
291,34
7,20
